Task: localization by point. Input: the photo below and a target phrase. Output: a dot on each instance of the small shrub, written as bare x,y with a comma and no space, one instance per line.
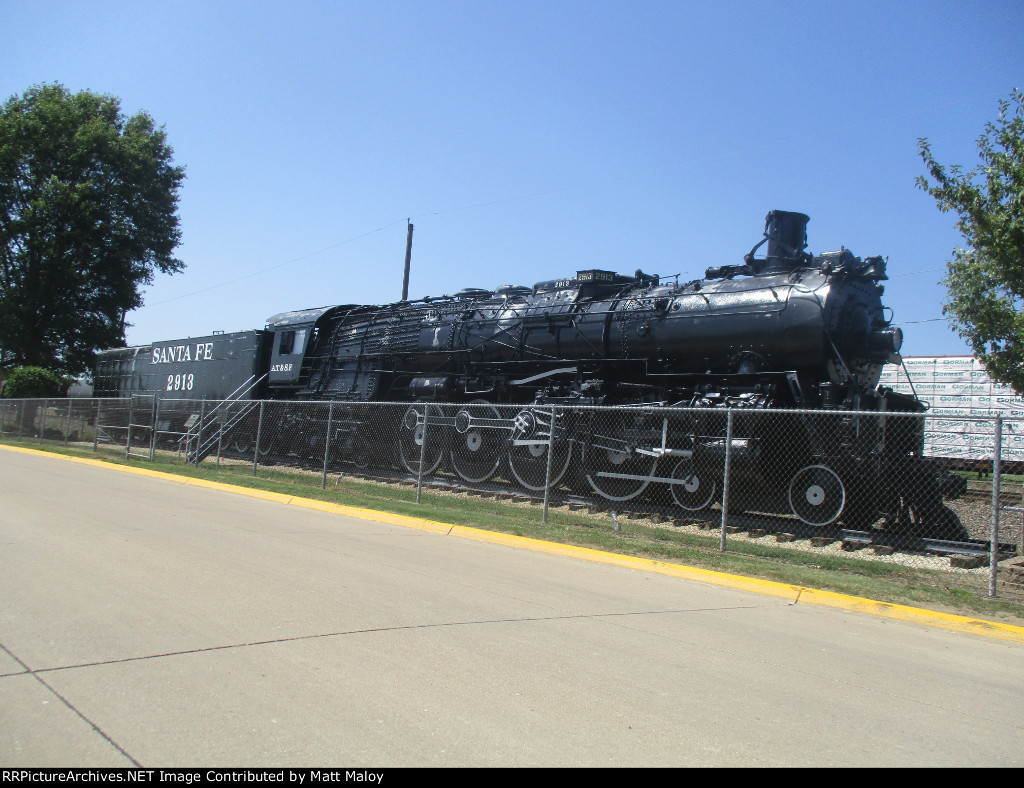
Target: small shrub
24,382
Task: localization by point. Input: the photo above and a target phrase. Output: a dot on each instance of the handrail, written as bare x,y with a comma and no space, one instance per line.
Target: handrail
193,433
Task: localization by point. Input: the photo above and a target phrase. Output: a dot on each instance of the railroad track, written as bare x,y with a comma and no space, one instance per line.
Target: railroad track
1011,497
752,523
755,524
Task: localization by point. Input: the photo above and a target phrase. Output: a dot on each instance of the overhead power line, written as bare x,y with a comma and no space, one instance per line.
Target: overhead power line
279,265
573,187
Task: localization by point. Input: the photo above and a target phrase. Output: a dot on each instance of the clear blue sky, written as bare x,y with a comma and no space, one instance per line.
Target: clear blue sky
527,140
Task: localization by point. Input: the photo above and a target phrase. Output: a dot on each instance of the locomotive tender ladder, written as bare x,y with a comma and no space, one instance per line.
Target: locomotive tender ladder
194,436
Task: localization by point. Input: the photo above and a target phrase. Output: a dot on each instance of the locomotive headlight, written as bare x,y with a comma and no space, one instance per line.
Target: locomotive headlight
888,340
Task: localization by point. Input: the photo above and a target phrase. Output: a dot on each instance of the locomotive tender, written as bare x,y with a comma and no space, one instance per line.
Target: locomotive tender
785,331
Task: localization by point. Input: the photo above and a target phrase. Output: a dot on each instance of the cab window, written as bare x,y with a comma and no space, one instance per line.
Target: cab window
291,342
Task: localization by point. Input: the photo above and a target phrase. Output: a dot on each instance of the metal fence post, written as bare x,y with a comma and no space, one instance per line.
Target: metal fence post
259,433
96,431
220,430
423,451
725,477
3,416
128,440
42,421
547,471
997,461
327,445
155,425
67,424
199,435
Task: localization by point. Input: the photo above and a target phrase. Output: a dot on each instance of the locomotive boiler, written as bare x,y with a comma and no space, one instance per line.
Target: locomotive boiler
791,344
623,339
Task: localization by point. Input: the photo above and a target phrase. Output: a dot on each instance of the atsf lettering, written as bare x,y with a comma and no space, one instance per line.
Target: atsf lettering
173,354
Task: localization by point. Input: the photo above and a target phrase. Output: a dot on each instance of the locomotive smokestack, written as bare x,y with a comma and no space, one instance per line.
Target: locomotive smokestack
786,234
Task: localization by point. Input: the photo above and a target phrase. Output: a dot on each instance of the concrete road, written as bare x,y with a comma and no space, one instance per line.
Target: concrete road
143,621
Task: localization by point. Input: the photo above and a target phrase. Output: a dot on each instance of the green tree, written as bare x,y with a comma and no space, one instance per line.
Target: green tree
34,382
986,279
88,202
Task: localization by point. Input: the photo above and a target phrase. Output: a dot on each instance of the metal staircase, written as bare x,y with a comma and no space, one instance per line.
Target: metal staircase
207,432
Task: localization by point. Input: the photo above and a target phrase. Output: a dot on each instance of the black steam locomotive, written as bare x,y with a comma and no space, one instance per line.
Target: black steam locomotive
786,331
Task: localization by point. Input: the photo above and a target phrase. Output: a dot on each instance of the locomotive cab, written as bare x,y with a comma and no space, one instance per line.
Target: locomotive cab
293,333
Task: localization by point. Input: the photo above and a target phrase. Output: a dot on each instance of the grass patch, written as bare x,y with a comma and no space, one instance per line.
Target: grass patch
844,573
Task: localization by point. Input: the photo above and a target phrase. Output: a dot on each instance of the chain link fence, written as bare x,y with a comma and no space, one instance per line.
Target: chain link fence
833,481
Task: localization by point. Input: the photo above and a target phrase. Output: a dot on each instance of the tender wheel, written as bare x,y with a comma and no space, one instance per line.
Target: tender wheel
414,426
817,495
690,490
528,451
242,442
267,445
477,451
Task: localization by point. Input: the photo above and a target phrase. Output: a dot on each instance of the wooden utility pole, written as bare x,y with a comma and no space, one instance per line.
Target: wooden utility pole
408,258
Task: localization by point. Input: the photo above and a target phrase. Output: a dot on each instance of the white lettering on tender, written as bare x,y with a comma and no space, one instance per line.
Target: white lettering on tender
180,382
176,354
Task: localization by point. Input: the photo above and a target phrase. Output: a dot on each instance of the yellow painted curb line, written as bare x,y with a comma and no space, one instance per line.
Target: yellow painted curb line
795,593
